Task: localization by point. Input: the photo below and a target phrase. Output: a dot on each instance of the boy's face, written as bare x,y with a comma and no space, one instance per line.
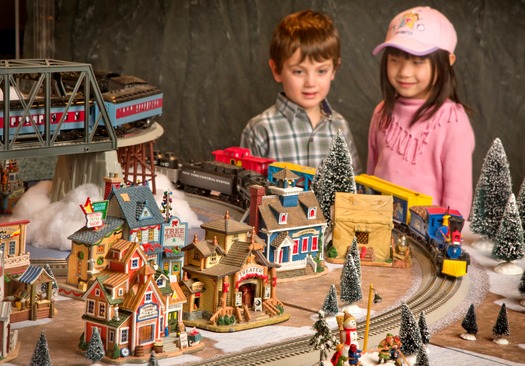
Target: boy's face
306,83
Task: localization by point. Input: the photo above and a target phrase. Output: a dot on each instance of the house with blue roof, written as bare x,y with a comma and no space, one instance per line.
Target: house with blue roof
143,220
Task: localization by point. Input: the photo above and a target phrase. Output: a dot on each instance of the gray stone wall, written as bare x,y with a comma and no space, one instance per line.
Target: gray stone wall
210,60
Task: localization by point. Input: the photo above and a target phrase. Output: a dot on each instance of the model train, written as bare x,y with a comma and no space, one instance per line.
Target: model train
439,229
128,100
229,177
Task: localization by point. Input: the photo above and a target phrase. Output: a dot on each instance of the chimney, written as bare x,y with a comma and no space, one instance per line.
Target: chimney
109,182
257,192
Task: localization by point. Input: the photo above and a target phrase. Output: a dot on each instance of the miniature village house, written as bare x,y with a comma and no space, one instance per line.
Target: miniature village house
6,339
142,219
129,302
13,245
89,247
228,279
290,222
369,219
24,283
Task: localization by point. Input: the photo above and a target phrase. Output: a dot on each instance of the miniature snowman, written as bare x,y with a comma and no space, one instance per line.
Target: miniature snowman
348,334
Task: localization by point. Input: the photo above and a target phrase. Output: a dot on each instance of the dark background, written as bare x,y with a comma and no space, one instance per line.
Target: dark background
210,58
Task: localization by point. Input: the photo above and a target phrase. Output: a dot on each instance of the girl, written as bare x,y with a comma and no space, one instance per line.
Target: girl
420,136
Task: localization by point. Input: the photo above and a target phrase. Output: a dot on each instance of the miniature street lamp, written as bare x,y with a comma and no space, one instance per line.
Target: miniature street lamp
376,300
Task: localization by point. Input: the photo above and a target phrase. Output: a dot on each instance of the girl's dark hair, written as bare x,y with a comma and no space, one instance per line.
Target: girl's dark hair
444,86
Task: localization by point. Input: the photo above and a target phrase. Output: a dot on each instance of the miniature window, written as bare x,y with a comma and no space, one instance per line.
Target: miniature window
97,292
362,237
101,248
160,282
112,336
90,307
148,296
102,310
121,292
151,234
213,258
135,263
2,246
312,212
124,334
314,243
116,255
295,246
12,247
283,218
304,246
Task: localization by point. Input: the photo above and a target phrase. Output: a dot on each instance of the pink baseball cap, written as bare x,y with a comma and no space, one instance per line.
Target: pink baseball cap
420,31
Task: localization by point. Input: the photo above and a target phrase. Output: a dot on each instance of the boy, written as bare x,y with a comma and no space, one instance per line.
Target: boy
299,128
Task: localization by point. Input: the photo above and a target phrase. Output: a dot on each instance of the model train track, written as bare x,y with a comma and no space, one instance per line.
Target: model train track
434,294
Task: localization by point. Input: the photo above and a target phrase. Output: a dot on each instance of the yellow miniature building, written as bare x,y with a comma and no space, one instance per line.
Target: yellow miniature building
369,219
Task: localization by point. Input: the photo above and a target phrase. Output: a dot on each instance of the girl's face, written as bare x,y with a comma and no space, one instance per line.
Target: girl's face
411,76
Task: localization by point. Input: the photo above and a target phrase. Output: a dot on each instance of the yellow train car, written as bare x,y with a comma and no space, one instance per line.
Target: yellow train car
306,173
404,198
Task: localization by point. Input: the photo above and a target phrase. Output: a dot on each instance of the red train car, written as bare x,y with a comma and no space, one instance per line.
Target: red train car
241,156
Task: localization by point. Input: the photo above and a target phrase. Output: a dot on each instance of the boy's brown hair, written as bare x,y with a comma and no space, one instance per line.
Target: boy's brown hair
312,32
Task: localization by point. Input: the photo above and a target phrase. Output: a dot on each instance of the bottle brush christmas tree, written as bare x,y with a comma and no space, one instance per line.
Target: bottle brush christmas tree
470,324
336,174
501,327
41,355
409,333
330,306
492,192
350,282
509,242
323,339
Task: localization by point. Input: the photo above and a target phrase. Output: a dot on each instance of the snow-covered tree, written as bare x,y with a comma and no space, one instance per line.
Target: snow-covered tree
323,339
336,174
409,333
501,327
41,355
350,283
423,328
153,359
520,200
95,351
521,288
354,250
470,323
492,192
509,241
330,302
422,357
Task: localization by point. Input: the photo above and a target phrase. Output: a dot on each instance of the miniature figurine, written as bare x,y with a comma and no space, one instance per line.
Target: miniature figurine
338,358
354,355
348,331
395,355
384,348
